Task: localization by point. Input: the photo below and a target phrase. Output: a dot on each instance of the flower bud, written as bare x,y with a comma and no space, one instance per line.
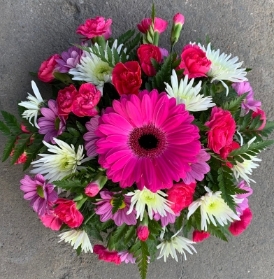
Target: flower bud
92,189
142,233
178,22
199,236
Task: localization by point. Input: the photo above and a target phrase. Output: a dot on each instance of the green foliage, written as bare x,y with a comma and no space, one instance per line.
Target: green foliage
11,123
117,201
115,241
218,231
268,129
234,105
8,148
64,78
74,185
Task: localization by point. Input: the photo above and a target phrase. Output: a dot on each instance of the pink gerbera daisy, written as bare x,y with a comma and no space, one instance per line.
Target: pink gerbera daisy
147,139
40,193
51,124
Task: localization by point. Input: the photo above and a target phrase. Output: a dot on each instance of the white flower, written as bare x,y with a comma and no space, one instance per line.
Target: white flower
93,69
77,238
212,207
245,168
223,67
179,243
155,202
63,162
32,105
188,94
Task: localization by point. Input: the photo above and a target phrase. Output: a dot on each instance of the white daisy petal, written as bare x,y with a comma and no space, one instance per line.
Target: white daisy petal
186,93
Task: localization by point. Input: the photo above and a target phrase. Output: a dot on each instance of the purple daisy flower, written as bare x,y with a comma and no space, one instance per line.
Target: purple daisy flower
68,60
248,103
40,194
244,197
165,220
90,137
51,124
126,257
104,209
198,169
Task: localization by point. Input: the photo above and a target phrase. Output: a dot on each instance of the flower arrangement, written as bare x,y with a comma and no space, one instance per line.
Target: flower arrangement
144,150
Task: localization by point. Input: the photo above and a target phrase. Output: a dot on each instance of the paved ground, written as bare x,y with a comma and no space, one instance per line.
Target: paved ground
31,30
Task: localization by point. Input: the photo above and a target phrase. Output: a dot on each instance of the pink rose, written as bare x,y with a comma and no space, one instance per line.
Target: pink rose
92,189
194,61
160,25
199,236
145,53
67,212
261,113
65,99
181,196
46,70
142,233
105,255
84,103
95,27
222,128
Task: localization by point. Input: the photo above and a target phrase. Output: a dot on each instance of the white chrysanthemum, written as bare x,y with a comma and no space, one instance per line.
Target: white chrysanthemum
155,203
179,243
245,168
61,163
93,69
32,105
77,238
213,208
186,93
223,67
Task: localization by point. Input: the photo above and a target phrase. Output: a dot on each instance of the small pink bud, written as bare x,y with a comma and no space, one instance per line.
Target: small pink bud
179,19
199,236
261,113
142,233
92,189
24,129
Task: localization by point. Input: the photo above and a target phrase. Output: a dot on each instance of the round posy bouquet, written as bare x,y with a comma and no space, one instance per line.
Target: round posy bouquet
140,148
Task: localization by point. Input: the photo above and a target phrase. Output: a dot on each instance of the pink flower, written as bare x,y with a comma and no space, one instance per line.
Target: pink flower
92,189
198,169
222,128
95,27
179,19
244,204
51,124
143,233
160,25
68,213
85,102
147,139
126,257
65,99
199,236
224,152
145,53
51,220
105,255
261,113
238,227
40,193
165,220
104,209
248,103
45,72
90,137
181,196
194,61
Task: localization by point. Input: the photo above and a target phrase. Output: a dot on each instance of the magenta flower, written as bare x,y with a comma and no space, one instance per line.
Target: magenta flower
249,103
40,194
244,204
160,25
104,209
90,137
147,139
198,169
51,123
68,60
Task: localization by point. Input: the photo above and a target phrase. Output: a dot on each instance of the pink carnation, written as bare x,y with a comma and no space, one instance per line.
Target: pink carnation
199,236
51,220
160,25
238,227
105,255
45,72
261,113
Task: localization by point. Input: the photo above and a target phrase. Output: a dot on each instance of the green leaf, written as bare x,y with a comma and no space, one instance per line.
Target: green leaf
130,234
234,104
8,148
142,260
80,127
69,184
4,129
122,39
64,78
179,221
20,146
11,122
117,201
268,129
219,231
117,236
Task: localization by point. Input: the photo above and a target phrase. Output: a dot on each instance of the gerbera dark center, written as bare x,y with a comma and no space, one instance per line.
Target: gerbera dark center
147,141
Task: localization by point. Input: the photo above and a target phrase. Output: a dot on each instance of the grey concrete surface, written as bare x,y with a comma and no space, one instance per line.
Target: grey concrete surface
30,31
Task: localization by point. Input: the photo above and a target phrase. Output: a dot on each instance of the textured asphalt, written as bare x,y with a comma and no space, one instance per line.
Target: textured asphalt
32,30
